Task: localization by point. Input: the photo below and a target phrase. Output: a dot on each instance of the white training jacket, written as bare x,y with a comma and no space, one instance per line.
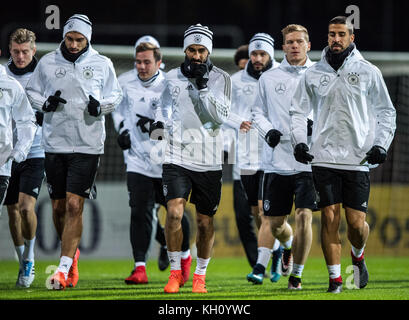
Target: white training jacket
193,118
14,105
272,111
71,129
36,150
142,98
352,112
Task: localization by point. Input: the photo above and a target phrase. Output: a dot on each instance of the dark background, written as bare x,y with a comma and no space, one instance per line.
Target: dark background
383,24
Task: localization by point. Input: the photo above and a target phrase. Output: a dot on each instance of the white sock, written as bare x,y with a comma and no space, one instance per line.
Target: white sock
264,255
29,249
276,245
139,263
20,252
287,245
357,252
297,270
174,259
334,271
65,265
185,254
201,266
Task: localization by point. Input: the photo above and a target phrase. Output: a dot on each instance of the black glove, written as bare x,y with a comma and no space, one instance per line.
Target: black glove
273,137
144,123
376,155
124,140
39,118
94,107
51,104
309,127
156,130
301,153
200,71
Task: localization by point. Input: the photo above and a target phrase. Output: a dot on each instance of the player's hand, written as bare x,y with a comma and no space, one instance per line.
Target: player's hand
144,123
156,130
94,107
273,137
245,126
39,118
310,123
200,71
376,155
15,156
52,102
301,153
124,140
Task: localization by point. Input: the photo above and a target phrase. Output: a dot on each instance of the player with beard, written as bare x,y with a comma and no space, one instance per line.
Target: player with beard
75,87
354,125
195,103
244,94
27,176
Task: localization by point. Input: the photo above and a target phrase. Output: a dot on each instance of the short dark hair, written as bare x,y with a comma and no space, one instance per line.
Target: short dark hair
145,46
342,20
242,52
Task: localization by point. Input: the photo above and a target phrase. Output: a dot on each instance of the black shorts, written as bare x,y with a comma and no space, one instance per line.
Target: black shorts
253,185
26,177
280,192
71,172
205,186
351,188
4,183
144,188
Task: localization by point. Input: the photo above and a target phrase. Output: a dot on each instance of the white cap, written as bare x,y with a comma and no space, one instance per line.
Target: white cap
198,34
148,39
79,23
262,41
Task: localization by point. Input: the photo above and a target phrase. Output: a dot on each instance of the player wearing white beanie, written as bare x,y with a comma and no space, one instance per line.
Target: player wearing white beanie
198,34
79,23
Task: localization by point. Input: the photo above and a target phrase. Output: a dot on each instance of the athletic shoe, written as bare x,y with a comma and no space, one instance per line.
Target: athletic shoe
335,285
360,277
138,276
199,283
58,281
28,275
175,282
255,278
186,263
73,274
163,259
294,283
286,262
275,264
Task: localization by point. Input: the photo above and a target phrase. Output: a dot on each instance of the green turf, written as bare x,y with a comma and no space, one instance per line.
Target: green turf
226,279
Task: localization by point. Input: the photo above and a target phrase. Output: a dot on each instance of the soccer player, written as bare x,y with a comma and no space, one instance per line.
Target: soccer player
142,88
285,181
15,107
27,176
241,56
244,83
195,103
75,87
354,124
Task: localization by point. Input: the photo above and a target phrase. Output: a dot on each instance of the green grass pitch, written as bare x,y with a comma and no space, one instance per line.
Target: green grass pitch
226,280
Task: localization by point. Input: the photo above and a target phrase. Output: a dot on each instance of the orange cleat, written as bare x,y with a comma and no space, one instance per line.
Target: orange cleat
186,263
58,281
138,276
73,274
175,281
199,283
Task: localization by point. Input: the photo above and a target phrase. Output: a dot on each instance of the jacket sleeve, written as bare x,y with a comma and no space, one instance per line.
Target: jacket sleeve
234,120
384,111
111,92
259,111
162,112
300,109
35,88
24,119
118,115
